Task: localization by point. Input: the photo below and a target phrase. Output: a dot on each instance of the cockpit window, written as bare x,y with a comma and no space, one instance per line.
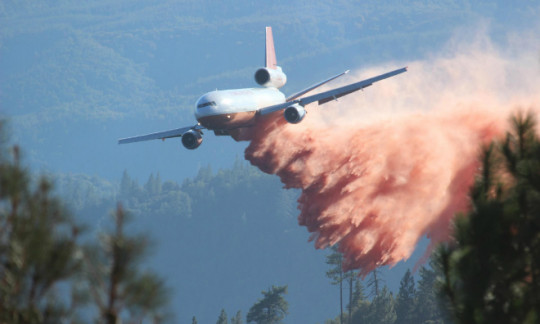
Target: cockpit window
206,104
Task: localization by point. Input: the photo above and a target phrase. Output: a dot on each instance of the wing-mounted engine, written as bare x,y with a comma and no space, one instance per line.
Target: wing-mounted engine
294,114
192,139
267,77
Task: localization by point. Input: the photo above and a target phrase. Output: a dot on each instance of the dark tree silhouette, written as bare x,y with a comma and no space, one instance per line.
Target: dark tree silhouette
114,280
271,309
335,259
491,274
405,300
38,243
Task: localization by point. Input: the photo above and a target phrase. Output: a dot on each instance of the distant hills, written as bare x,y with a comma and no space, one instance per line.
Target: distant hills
222,237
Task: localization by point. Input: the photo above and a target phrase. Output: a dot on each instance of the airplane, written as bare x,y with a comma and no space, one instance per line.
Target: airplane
226,111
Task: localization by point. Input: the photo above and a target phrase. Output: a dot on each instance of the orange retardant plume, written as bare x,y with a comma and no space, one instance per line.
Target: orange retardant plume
380,169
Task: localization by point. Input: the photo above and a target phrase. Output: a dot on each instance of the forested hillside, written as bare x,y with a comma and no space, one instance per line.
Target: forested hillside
222,237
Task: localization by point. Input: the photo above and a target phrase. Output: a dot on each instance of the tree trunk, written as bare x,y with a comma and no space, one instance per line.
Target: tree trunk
341,295
350,296
376,283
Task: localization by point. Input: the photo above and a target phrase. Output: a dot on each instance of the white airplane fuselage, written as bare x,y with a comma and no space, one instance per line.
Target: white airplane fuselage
230,109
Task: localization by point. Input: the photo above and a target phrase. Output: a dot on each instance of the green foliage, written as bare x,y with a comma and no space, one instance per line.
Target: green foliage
80,191
359,298
146,295
205,192
352,277
222,319
212,210
271,309
405,300
375,282
359,304
381,310
335,259
38,245
491,274
154,198
427,303
114,280
356,293
237,319
410,305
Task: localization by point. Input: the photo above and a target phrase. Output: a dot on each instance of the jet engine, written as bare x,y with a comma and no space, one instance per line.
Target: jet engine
192,139
274,78
294,114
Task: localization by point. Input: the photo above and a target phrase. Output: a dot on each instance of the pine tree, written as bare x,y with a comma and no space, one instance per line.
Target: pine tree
405,300
335,259
38,243
39,251
222,319
271,309
153,185
157,184
126,186
114,281
381,310
491,274
350,277
360,303
427,306
375,282
237,319
149,186
358,296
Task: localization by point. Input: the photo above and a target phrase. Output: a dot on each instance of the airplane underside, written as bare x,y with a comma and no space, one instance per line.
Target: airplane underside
222,124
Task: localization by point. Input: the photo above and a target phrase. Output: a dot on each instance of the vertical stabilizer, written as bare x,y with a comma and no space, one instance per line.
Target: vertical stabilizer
271,62
270,75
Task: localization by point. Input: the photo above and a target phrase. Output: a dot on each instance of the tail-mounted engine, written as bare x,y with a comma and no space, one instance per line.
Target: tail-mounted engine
294,114
191,139
274,78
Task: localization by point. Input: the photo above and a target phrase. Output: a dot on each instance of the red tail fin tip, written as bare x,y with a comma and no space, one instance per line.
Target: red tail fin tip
271,62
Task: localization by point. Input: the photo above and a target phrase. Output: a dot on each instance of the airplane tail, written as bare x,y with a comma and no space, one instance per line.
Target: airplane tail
271,62
271,74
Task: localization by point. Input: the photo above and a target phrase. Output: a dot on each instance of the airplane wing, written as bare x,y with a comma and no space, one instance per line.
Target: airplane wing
330,95
159,135
303,92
